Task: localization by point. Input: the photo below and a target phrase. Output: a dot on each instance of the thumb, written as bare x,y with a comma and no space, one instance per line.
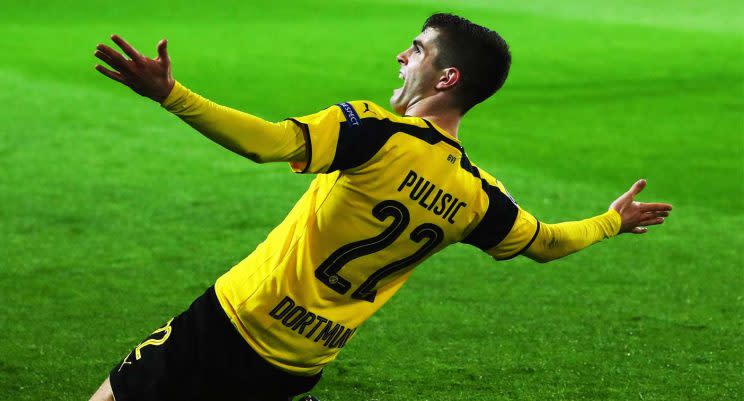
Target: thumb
163,51
637,187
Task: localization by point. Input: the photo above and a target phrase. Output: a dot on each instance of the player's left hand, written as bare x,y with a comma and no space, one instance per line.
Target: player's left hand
148,77
636,216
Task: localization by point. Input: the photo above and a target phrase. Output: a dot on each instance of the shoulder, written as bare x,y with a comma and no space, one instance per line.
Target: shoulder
367,109
364,115
361,118
366,127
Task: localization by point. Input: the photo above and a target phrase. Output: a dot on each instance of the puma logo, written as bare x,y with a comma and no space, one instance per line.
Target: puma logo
366,109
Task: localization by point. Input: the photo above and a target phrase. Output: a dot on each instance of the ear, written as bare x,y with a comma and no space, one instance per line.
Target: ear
450,77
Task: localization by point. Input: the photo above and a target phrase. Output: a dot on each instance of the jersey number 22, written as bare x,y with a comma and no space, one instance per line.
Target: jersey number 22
328,271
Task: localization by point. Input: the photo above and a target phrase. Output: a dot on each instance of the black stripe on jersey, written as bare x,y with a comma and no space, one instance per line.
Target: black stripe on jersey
497,222
357,144
521,251
500,215
465,164
443,137
308,143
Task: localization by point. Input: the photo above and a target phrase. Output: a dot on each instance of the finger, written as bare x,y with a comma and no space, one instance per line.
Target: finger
111,74
651,222
103,56
639,230
637,187
127,48
657,213
163,51
115,59
652,207
106,59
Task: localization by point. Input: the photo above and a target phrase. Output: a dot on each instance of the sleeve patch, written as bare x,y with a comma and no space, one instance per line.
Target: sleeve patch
351,115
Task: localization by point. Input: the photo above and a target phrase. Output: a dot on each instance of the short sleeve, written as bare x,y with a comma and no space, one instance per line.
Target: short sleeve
505,230
321,132
521,235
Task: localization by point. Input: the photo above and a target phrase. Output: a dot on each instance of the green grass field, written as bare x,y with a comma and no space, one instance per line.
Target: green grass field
115,215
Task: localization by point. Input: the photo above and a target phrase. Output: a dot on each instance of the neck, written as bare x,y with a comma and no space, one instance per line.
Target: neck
445,118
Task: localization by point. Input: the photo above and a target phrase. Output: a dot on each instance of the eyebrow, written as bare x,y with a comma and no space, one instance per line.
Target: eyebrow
418,44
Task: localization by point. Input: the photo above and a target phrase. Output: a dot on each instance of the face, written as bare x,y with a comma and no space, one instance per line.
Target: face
417,70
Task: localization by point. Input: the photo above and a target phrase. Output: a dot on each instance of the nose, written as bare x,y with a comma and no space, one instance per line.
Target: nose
402,58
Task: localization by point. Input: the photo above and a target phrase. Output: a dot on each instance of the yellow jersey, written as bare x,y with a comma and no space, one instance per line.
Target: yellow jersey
390,192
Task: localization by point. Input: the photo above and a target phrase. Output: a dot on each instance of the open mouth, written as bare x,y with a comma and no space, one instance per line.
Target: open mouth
402,76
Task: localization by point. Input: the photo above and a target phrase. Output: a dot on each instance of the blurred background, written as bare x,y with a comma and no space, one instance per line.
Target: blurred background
115,215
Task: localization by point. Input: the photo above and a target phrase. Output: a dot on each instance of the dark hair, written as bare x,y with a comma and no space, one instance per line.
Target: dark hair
480,54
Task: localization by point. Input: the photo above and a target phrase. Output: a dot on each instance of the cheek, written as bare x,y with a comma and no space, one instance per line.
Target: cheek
416,73
424,77
424,71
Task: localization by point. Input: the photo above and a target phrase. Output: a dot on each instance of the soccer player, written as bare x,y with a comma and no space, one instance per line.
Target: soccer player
391,189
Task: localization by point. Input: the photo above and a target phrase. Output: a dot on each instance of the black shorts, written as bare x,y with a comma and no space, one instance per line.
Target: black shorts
199,355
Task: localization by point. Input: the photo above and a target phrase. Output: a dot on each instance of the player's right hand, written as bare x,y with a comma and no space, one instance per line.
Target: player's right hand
149,77
637,215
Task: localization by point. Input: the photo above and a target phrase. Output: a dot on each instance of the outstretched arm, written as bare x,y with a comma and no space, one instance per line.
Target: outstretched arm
625,215
242,133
